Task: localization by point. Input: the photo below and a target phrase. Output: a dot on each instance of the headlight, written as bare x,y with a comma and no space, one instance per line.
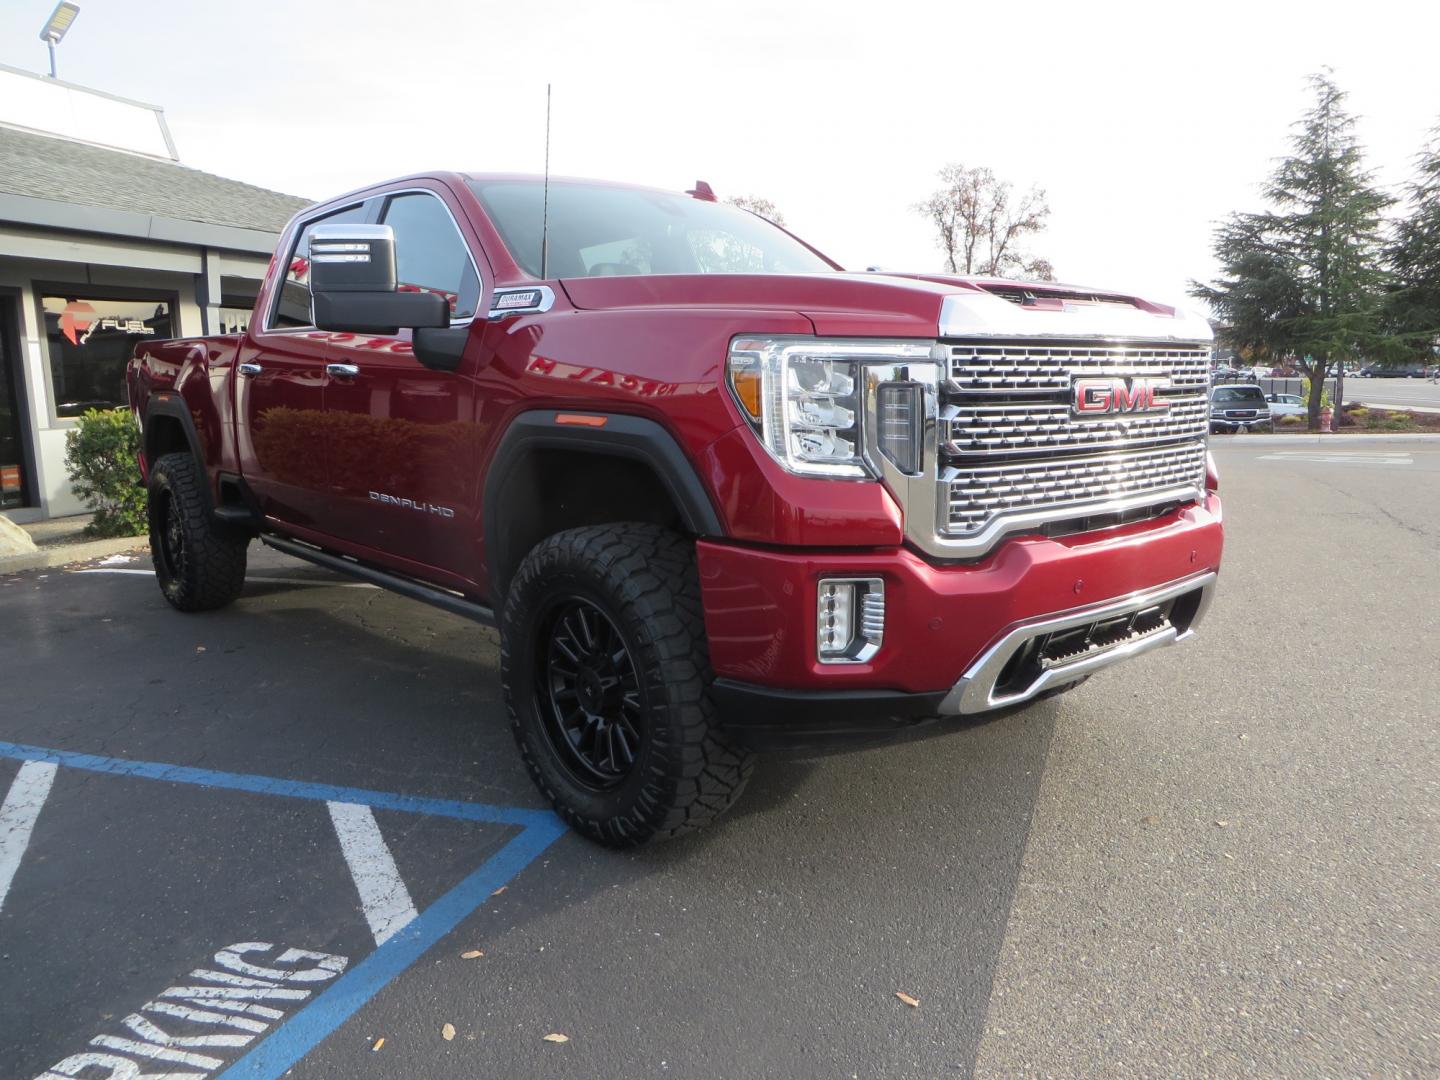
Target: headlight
803,398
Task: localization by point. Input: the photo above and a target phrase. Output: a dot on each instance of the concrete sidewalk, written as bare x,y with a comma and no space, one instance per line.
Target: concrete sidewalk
62,541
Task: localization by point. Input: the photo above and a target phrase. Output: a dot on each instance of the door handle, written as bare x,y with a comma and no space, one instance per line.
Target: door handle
250,369
343,371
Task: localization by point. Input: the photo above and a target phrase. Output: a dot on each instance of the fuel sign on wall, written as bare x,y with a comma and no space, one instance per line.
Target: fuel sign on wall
90,340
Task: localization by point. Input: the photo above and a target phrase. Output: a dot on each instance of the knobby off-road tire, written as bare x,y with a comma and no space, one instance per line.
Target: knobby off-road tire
200,566
606,675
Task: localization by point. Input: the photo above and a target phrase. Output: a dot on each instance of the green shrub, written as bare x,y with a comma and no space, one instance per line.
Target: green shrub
100,454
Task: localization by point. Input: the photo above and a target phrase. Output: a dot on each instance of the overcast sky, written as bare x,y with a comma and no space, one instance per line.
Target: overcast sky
1144,122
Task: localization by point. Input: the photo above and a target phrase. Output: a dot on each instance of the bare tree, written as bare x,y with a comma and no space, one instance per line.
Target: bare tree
758,205
980,222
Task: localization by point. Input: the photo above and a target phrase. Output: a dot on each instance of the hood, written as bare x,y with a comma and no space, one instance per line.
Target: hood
903,305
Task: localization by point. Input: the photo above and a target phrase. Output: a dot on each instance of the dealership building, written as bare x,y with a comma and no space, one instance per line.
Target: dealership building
105,240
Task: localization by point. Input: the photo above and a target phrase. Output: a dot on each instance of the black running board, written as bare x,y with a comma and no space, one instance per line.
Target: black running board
415,590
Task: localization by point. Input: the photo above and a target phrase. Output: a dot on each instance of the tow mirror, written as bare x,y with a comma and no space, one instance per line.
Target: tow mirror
353,286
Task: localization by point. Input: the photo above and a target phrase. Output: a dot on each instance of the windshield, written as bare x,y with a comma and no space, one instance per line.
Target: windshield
601,231
1239,393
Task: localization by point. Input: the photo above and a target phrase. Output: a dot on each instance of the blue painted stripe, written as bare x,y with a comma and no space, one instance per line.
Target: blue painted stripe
290,1042
301,1033
292,789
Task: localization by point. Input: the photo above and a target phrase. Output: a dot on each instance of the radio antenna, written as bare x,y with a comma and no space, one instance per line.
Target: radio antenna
545,206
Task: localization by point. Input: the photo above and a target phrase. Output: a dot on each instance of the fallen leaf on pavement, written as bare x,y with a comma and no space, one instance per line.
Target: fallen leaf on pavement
907,999
378,1043
471,955
501,889
447,1032
556,1037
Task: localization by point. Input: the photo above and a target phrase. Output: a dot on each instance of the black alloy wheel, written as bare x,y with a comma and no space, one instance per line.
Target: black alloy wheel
606,674
591,695
171,530
199,565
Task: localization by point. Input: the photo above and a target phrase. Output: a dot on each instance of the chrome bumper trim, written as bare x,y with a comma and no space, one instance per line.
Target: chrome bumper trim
975,691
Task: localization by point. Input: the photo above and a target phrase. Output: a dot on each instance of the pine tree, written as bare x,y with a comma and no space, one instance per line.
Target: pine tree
1414,302
1305,279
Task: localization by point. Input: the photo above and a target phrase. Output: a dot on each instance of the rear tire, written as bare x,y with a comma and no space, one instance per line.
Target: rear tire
200,567
607,675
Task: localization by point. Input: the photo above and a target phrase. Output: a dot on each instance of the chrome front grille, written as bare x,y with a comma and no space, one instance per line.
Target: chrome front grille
976,495
1014,454
1018,369
968,429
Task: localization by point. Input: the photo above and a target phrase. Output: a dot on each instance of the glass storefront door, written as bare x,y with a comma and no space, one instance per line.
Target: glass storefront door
14,448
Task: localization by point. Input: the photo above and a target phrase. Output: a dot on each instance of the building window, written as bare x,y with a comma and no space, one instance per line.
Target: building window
90,341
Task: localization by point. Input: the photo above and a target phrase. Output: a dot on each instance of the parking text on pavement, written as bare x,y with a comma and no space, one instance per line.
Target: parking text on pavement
214,1013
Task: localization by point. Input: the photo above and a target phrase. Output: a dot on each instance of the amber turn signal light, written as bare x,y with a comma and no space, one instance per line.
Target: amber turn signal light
747,390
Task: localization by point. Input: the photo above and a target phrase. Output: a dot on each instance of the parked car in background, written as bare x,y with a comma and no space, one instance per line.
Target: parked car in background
1286,405
1239,407
1375,371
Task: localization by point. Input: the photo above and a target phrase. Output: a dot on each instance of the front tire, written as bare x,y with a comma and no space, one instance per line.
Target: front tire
606,676
199,567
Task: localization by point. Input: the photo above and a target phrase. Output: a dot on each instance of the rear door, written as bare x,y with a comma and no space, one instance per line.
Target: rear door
403,438
280,393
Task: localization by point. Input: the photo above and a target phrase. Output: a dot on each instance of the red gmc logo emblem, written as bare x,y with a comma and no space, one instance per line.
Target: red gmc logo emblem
1108,396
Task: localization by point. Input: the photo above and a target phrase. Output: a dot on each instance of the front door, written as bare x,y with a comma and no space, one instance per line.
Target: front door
14,445
403,439
280,393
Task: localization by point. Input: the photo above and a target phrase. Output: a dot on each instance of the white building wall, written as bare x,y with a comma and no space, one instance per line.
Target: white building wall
28,256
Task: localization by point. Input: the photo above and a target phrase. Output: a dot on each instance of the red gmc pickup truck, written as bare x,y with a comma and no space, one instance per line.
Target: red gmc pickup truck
717,494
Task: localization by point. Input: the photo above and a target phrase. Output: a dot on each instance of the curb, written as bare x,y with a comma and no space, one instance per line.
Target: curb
65,554
1313,439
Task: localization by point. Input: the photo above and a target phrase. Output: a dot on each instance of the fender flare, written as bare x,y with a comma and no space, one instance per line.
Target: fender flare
631,437
172,406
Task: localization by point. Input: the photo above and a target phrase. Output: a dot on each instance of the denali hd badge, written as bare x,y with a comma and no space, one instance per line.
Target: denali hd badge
412,504
1115,394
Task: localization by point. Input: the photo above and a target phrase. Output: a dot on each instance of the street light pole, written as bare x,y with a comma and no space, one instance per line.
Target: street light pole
55,28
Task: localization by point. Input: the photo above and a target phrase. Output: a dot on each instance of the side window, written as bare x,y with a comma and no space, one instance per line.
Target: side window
430,253
292,306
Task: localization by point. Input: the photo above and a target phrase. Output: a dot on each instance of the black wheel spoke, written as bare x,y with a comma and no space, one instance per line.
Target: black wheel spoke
594,699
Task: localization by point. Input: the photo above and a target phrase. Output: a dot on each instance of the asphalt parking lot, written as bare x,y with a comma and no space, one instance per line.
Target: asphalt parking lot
1397,393
272,834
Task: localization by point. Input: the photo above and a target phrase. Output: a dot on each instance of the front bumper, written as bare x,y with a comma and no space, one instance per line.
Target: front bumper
1227,423
950,630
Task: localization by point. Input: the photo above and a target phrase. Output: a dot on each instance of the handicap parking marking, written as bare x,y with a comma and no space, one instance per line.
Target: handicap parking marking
228,994
1343,457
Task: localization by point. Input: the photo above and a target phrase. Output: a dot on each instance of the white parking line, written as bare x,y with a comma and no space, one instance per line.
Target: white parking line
383,895
17,817
1358,457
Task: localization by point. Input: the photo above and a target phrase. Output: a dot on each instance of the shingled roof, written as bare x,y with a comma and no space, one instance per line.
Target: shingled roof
60,170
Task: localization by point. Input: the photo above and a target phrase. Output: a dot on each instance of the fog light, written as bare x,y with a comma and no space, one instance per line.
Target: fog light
849,619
